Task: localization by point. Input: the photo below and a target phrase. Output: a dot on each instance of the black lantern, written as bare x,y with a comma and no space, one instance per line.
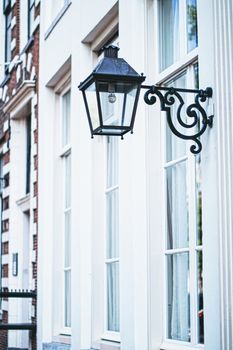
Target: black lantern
111,95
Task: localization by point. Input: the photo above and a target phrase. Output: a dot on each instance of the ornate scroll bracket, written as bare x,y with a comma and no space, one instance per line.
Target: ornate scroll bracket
194,117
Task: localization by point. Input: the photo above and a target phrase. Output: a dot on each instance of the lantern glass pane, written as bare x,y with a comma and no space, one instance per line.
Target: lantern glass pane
117,102
92,105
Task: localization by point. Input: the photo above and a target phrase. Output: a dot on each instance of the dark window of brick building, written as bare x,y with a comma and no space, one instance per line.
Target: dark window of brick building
31,15
28,159
7,14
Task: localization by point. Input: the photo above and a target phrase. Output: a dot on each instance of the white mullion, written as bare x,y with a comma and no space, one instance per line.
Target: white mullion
111,189
65,151
175,161
176,251
111,260
68,268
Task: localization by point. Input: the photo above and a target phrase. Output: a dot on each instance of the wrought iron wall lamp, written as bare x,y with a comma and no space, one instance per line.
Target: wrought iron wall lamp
111,94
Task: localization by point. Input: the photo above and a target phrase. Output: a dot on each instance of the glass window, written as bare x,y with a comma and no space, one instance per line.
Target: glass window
169,29
191,24
183,251
112,237
28,153
175,147
31,16
178,30
66,118
177,206
8,37
66,162
178,297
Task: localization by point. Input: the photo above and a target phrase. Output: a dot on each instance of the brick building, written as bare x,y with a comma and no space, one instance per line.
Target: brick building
19,68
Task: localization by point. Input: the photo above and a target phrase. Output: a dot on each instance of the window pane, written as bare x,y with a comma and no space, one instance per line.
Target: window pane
31,16
67,243
178,297
8,38
169,27
175,146
67,181
196,75
191,24
198,199
92,105
112,161
112,225
177,207
28,153
200,303
67,298
113,297
66,118
117,104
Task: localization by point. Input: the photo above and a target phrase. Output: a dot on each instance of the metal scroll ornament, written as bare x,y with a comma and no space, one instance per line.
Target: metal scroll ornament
195,115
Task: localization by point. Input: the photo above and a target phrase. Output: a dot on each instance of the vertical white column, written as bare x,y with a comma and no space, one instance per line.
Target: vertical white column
132,192
223,55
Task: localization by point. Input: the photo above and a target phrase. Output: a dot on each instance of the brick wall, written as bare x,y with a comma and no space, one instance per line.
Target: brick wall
11,85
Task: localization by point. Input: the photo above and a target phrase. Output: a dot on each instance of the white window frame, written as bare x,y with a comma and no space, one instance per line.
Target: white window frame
65,151
193,248
184,63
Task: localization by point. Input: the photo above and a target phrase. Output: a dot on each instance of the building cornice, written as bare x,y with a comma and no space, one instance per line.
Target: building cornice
25,89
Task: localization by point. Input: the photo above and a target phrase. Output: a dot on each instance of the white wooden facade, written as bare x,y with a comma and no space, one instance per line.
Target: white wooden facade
72,32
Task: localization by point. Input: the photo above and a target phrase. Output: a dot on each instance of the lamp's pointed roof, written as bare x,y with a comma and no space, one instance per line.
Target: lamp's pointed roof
113,65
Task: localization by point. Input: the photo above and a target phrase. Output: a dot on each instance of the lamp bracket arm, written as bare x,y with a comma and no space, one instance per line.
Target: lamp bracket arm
172,101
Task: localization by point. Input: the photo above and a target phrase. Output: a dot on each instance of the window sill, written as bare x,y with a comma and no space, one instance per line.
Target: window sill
24,202
57,19
111,336
63,339
102,344
179,346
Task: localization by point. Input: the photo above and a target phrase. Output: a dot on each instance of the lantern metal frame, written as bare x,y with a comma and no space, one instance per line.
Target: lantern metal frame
112,69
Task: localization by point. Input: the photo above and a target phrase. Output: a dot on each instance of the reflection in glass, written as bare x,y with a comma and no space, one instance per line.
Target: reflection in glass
191,24
177,207
200,303
169,27
113,297
178,297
